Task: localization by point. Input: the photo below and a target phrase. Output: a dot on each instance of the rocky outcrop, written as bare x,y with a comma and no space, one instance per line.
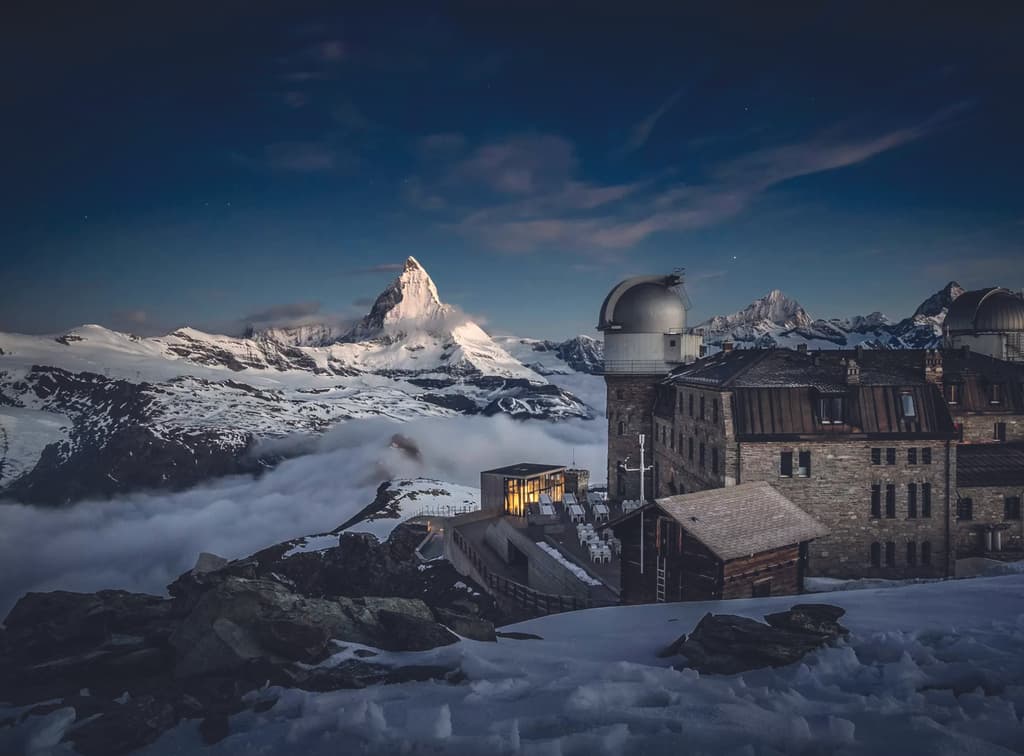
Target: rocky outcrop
726,644
129,666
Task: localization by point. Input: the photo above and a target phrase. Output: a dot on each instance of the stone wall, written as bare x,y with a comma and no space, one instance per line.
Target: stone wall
988,508
631,404
838,493
676,472
981,428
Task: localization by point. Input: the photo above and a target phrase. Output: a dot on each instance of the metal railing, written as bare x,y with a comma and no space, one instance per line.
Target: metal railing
446,510
636,366
528,598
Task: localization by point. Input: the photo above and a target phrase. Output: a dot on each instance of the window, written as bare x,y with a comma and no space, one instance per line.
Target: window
1011,508
911,501
786,464
702,408
691,449
995,393
691,405
876,501
890,554
663,435
926,455
953,393
762,588
714,460
965,508
907,403
926,499
911,553
620,394
876,554
999,432
803,469
671,342
890,456
622,427
912,456
703,455
830,410
876,456
890,501
926,552
714,411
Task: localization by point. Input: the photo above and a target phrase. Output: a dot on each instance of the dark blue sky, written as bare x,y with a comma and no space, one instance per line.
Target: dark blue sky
216,166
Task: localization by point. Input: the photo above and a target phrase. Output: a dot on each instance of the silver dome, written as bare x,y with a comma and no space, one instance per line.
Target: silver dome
985,311
646,304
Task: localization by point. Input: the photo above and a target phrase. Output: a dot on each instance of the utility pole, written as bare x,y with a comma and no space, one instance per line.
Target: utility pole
643,501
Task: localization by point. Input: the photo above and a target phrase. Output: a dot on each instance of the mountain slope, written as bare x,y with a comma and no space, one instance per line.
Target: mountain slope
777,320
94,412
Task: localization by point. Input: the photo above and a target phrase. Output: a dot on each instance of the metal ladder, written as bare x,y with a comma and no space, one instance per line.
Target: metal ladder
660,584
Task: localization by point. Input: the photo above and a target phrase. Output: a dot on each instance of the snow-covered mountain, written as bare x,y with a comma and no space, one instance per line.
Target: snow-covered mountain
580,354
97,412
777,320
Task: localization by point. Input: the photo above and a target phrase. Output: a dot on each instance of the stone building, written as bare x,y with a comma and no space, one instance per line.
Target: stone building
989,488
985,395
861,440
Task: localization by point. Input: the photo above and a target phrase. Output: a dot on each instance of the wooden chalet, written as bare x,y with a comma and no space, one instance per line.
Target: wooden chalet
736,542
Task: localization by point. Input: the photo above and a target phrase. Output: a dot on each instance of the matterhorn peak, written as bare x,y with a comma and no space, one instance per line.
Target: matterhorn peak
409,302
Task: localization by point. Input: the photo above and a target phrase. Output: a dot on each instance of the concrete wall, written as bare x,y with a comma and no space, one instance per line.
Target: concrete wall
630,402
545,573
492,492
838,493
988,509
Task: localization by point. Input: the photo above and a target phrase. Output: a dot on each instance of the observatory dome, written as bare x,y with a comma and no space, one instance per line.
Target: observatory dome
992,310
647,304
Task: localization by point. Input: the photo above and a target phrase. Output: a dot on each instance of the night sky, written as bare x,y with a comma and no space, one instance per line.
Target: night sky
218,167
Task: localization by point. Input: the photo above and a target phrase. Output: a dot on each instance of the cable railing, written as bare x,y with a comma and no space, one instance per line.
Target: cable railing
636,366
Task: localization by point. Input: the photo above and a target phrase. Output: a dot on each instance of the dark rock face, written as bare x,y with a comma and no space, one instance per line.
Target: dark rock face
229,628
725,644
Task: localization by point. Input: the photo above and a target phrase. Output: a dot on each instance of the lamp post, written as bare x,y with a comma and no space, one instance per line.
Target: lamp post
642,469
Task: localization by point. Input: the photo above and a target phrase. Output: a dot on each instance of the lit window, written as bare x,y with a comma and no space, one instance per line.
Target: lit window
953,393
909,410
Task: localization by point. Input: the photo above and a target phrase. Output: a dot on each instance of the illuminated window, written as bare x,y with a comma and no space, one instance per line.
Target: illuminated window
907,402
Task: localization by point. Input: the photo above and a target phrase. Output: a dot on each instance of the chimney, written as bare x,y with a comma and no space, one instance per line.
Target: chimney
801,348
859,351
852,372
933,367
726,346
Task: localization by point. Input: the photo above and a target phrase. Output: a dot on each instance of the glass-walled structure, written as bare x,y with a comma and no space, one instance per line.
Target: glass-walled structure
511,489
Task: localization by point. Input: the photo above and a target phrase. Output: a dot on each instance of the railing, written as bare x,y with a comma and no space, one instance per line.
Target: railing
446,510
637,366
542,603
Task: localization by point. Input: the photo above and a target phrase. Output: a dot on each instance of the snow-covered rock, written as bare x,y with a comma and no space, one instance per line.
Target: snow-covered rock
580,354
778,320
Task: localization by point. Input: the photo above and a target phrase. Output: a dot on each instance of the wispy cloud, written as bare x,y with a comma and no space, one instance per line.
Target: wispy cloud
381,268
641,132
523,193
281,312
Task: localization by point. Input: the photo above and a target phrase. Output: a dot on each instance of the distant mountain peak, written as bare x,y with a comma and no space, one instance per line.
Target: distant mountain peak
938,302
771,310
410,299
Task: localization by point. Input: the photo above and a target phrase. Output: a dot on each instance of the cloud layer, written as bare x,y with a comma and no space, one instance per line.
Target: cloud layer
143,541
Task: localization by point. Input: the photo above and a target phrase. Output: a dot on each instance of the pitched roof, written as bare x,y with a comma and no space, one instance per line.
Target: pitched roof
760,413
738,521
989,465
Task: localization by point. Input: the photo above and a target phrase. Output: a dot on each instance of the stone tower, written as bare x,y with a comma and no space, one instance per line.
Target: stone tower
643,320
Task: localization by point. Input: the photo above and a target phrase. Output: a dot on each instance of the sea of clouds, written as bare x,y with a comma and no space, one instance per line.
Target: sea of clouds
141,542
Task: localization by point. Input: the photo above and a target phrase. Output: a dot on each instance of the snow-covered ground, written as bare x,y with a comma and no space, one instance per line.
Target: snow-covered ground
418,497
24,433
934,669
